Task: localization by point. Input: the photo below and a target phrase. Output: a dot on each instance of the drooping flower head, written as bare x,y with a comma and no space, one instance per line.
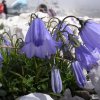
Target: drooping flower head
56,81
64,30
90,34
38,41
96,53
80,78
85,57
6,41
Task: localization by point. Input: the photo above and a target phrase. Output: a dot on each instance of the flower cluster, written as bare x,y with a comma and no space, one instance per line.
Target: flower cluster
63,41
38,41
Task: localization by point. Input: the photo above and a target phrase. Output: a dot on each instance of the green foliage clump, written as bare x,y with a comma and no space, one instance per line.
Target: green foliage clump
20,75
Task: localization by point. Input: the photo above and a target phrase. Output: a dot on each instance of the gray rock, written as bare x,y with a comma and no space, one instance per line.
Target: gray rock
67,93
95,97
84,94
95,78
35,96
68,96
77,98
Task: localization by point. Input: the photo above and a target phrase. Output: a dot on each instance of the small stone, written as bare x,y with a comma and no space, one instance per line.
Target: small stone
77,98
35,96
95,97
65,98
84,94
67,93
89,85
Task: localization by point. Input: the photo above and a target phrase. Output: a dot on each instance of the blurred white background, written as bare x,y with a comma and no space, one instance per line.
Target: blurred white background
89,8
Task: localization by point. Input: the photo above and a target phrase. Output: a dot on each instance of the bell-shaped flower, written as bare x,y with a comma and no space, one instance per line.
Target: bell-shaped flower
6,41
90,34
62,32
85,57
96,53
56,81
38,41
78,72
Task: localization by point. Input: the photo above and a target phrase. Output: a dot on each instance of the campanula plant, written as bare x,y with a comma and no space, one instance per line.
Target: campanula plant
61,33
90,34
28,67
38,41
56,81
78,72
87,60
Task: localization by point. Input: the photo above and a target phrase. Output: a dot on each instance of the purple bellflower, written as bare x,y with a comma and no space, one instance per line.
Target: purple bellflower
78,72
86,59
90,34
6,41
96,53
65,30
38,41
56,81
